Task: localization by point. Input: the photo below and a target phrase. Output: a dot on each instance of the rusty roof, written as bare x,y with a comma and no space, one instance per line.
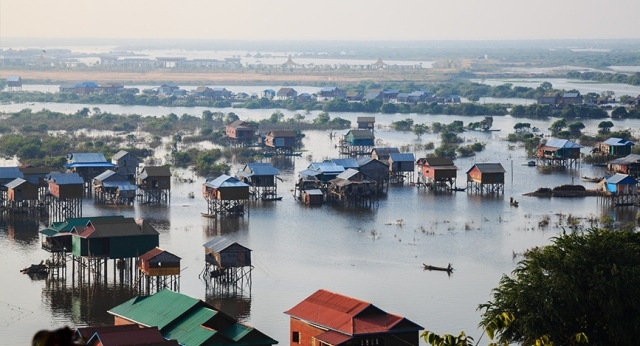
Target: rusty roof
435,161
86,333
348,315
281,133
156,252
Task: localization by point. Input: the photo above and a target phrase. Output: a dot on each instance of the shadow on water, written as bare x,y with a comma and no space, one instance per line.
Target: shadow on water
235,305
21,228
225,226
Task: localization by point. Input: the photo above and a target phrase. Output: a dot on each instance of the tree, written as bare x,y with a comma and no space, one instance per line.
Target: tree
419,129
619,113
558,125
322,118
231,117
605,126
585,284
576,128
546,86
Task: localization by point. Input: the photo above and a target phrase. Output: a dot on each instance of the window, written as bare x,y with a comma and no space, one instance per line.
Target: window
295,337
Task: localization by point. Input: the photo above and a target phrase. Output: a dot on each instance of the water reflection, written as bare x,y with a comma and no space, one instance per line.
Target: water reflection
21,227
226,226
235,305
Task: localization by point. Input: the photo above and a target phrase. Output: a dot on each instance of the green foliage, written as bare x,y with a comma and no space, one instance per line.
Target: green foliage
584,283
402,125
633,79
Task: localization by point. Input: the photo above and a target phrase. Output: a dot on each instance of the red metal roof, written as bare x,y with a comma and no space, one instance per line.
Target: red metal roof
347,315
333,338
132,337
151,253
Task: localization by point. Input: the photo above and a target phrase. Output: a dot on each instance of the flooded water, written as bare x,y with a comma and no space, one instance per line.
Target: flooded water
297,249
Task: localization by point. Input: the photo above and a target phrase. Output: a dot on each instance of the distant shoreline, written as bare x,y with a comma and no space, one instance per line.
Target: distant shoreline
240,77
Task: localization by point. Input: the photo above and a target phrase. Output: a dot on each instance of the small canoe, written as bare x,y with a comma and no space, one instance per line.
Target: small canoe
591,179
448,268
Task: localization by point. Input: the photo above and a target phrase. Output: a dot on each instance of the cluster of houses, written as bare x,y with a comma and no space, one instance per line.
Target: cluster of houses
560,99
324,318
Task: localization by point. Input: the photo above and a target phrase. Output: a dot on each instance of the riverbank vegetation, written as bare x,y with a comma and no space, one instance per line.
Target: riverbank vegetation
633,79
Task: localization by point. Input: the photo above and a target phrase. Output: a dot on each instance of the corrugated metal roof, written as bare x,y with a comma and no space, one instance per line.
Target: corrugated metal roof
621,179
366,120
71,222
629,159
187,329
10,173
361,134
331,337
128,337
86,157
348,174
282,133
562,143
237,331
436,161
326,167
571,95
346,163
488,168
158,310
341,313
314,192
385,151
13,79
106,174
65,178
401,157
155,171
259,168
86,333
116,227
89,164
119,155
121,185
225,181
15,183
218,244
156,252
309,172
618,142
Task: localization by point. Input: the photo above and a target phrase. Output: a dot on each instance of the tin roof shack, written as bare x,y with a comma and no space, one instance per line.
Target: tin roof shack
65,195
113,238
559,153
347,163
280,140
621,190
401,167
486,178
227,262
154,183
262,179
629,164
112,188
286,94
330,93
159,269
122,335
571,98
14,83
190,321
352,188
225,195
615,147
57,237
34,175
87,165
126,164
20,190
312,197
366,123
328,318
357,143
383,154
552,99
375,170
437,173
326,170
240,132
7,175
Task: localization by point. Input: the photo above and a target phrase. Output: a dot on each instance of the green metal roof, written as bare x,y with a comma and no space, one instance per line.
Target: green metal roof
157,310
236,331
70,223
187,329
48,232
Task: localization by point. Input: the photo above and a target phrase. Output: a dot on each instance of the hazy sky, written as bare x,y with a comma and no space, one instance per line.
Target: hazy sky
321,19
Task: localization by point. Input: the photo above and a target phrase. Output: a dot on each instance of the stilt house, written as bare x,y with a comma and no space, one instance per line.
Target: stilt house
189,321
114,238
616,147
241,131
261,177
401,167
559,152
280,140
87,165
440,172
486,178
629,164
622,189
126,164
328,318
383,154
21,190
65,185
366,123
225,195
113,188
359,138
324,171
155,178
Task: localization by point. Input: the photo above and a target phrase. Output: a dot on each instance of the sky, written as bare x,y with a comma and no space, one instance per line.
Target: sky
369,20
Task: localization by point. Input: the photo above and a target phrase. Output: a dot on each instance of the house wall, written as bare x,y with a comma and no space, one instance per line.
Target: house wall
119,321
157,183
306,332
23,192
132,246
232,193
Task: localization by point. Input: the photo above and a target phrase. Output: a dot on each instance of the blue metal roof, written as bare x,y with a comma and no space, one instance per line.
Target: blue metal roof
309,172
397,157
64,178
122,185
562,143
218,244
10,173
346,163
571,95
86,85
224,181
348,174
618,142
621,179
260,168
89,164
13,79
86,157
15,183
326,167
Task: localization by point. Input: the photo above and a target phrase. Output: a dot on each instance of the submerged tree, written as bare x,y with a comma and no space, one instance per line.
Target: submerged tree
584,284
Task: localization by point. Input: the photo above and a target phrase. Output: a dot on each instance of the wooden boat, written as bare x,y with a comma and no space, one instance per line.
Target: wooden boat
209,216
447,269
531,163
41,268
271,198
591,179
513,202
458,189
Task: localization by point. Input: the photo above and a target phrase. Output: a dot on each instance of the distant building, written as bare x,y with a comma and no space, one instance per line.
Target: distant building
268,93
286,94
571,98
14,83
552,99
330,93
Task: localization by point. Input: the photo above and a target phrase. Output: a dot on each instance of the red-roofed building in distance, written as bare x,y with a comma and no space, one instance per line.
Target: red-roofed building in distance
330,319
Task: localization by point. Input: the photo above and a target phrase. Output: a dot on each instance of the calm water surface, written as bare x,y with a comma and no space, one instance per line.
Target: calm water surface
298,249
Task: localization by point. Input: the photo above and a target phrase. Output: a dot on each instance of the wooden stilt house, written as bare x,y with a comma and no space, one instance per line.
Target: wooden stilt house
559,152
240,132
126,165
227,262
113,188
65,195
22,196
262,179
324,171
225,195
401,167
154,183
620,190
7,175
352,188
486,178
366,123
629,164
383,154
280,141
375,170
87,166
357,143
159,269
437,173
